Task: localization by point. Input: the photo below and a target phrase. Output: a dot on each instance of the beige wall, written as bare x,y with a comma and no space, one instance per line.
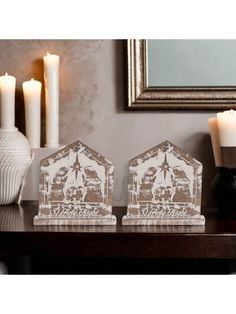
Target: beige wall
92,102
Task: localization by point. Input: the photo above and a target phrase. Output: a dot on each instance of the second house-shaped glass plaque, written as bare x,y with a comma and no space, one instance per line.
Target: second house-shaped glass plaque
164,188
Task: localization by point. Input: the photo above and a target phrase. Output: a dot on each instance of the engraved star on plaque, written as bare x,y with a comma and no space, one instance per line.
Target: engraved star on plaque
164,188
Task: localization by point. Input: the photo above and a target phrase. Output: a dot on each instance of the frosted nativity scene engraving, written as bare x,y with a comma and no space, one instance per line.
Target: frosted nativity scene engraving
164,188
75,187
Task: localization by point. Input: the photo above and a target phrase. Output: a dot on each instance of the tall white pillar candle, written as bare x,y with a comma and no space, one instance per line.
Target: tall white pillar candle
227,128
7,88
51,77
32,98
215,141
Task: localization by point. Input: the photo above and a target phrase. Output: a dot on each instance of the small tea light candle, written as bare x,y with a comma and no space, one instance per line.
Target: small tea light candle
51,77
227,128
32,97
7,88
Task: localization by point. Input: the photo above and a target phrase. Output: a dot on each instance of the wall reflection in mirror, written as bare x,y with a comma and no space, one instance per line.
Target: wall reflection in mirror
191,63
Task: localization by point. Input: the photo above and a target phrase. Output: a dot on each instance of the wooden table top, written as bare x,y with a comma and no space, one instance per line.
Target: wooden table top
217,239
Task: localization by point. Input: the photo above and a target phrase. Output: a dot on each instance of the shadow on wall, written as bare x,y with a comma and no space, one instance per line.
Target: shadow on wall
37,74
199,147
20,110
120,75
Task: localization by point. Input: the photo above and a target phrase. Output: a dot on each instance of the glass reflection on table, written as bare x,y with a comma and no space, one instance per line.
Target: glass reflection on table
11,218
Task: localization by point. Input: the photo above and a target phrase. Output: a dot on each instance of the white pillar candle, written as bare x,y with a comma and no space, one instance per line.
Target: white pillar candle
215,141
51,77
32,97
227,128
7,88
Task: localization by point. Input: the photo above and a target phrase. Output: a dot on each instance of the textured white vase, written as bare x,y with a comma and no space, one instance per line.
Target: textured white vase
15,156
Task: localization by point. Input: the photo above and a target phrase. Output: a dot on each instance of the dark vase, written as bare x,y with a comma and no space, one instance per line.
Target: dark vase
224,190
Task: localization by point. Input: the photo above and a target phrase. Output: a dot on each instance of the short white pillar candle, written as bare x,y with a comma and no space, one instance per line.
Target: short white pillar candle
214,132
227,128
51,77
7,88
32,98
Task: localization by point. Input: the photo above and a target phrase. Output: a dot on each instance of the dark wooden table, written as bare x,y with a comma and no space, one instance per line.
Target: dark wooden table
123,247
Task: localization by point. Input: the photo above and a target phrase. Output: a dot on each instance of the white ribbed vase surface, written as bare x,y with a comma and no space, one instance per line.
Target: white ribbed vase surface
14,159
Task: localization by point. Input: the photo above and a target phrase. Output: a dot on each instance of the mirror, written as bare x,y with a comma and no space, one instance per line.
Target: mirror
181,74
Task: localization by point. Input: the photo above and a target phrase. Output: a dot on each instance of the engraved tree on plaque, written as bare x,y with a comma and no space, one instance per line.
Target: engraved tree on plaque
164,188
75,188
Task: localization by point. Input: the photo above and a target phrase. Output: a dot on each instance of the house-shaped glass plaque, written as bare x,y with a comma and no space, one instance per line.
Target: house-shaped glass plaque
75,188
164,188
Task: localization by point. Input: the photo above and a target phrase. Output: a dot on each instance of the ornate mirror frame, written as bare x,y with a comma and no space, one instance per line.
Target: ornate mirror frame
142,96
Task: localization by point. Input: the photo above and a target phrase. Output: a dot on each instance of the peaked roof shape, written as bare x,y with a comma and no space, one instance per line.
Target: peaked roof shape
163,147
76,146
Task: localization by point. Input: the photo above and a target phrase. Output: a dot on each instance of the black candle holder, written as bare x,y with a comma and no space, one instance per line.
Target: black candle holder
224,190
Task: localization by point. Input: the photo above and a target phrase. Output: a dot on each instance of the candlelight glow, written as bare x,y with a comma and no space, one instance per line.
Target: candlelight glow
228,113
227,127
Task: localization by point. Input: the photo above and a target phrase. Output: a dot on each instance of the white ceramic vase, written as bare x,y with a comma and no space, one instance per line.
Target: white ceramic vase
15,156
